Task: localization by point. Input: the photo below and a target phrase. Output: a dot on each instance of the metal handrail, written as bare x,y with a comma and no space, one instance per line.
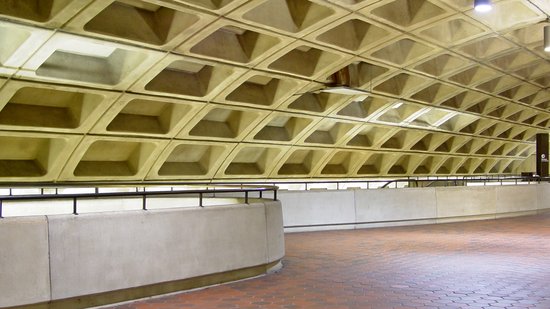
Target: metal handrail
233,187
241,183
306,183
464,181
143,194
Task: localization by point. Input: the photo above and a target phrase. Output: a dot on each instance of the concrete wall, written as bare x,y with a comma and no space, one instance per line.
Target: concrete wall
473,202
394,204
24,265
100,252
348,209
317,207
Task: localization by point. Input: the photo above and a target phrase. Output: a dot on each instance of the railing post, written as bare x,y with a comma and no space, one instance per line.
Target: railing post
275,194
200,199
1,210
246,197
144,205
261,194
74,206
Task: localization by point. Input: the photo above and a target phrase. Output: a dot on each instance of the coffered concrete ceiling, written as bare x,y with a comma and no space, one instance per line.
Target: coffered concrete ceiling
203,90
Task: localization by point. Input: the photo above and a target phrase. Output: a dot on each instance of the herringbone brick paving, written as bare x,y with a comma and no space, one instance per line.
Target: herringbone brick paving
484,264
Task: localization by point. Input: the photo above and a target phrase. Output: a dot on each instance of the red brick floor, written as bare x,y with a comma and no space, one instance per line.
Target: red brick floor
485,264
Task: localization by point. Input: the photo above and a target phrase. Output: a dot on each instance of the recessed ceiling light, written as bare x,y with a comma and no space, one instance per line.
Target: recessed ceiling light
483,5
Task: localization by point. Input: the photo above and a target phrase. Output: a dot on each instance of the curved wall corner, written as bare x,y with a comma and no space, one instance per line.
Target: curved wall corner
91,254
274,231
359,208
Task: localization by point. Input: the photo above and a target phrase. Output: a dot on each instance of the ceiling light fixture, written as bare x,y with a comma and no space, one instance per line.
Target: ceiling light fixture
482,5
344,81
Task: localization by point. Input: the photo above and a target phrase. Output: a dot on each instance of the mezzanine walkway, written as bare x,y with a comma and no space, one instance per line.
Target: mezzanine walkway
483,264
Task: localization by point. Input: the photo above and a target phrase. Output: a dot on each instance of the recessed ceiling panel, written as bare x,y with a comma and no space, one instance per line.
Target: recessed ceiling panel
231,90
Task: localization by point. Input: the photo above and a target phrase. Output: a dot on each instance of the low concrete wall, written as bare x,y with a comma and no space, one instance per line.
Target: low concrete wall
394,205
24,265
455,203
65,256
359,208
317,207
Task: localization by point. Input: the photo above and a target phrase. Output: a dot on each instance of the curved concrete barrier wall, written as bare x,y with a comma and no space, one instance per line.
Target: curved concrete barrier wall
348,209
60,257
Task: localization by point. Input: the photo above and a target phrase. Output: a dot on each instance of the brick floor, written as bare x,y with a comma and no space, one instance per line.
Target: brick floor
485,264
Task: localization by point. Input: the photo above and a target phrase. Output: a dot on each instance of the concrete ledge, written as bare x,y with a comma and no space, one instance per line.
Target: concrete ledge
317,211
395,223
465,218
517,214
78,261
320,227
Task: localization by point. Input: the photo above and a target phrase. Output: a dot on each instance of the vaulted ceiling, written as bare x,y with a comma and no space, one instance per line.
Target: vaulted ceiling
205,90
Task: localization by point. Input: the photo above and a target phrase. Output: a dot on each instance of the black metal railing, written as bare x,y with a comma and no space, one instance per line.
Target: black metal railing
200,193
412,182
456,182
243,189
307,184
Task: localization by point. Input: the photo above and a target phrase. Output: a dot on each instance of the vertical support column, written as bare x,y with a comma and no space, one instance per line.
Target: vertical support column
542,154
